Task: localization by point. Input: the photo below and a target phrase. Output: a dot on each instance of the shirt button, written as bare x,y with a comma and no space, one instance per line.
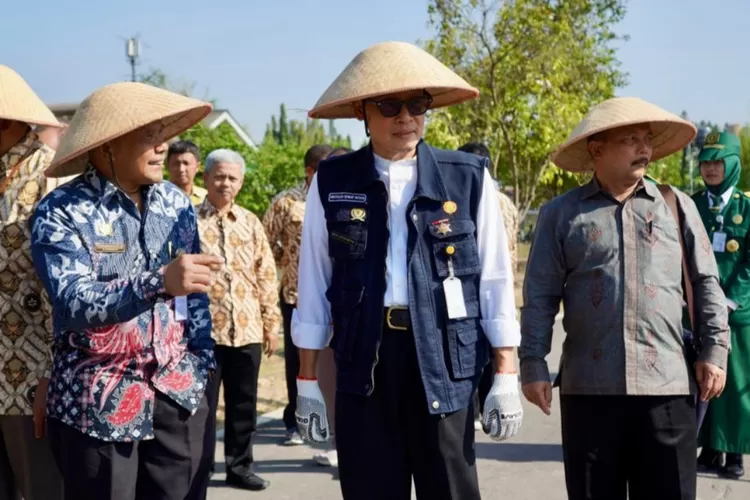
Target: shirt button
228,276
415,217
435,405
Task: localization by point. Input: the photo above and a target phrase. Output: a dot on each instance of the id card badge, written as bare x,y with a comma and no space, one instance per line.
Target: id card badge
720,242
454,295
180,308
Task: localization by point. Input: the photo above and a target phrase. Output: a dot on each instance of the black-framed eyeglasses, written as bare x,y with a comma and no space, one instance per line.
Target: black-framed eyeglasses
392,107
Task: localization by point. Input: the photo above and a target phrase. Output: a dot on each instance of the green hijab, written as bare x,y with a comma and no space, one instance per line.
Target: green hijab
723,146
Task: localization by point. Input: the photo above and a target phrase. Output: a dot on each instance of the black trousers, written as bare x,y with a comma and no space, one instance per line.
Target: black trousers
485,384
291,367
641,445
389,437
237,368
162,468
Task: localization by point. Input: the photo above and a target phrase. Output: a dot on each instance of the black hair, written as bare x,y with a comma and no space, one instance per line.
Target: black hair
182,147
476,148
315,154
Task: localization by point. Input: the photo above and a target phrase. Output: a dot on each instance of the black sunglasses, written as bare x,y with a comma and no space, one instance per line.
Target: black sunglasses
392,107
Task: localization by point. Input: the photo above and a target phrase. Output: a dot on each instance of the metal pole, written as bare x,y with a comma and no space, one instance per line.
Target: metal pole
132,69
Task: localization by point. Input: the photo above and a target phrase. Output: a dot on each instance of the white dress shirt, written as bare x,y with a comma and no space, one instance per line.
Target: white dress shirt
725,197
311,319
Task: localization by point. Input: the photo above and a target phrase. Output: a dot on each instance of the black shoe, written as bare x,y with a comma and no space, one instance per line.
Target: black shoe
709,461
250,482
733,469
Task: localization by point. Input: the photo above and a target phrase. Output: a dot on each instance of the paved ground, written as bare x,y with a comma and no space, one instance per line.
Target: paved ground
527,468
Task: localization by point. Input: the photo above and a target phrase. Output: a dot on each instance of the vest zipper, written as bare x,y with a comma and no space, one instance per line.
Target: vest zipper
382,306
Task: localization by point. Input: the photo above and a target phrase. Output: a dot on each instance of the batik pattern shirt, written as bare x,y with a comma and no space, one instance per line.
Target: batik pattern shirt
25,326
283,223
117,339
617,268
511,222
245,294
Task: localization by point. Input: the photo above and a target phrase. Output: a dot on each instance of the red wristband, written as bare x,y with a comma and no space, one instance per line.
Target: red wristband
506,373
305,379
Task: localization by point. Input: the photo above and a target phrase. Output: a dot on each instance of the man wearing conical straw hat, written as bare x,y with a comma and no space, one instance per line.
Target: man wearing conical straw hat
27,466
402,253
610,251
117,250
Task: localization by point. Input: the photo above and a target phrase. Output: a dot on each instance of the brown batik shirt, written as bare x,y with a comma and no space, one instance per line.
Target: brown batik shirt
244,294
616,267
510,220
25,313
283,223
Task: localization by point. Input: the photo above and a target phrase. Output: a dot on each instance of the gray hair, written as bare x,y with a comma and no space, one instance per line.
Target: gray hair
223,156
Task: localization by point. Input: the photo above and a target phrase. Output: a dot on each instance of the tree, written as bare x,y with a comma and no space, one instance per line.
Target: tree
283,131
539,66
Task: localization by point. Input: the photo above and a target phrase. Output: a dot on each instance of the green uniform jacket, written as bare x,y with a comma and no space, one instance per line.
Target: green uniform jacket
734,261
727,425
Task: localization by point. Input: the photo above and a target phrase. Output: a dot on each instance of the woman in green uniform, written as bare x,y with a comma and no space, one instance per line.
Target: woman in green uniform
725,211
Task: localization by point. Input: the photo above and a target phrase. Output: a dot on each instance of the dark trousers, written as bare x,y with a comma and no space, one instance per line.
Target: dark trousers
641,445
389,437
237,368
162,468
291,367
485,384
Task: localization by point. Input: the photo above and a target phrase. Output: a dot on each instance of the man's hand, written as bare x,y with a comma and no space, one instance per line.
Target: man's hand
711,380
312,418
540,394
40,408
503,412
270,342
190,274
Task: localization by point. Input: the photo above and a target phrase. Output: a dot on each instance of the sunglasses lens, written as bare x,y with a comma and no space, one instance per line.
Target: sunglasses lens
389,107
418,106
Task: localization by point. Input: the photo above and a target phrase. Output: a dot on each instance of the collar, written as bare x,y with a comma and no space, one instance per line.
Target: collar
206,209
594,188
726,196
430,183
106,189
28,144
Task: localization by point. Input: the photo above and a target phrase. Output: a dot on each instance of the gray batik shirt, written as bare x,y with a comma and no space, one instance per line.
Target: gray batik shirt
617,269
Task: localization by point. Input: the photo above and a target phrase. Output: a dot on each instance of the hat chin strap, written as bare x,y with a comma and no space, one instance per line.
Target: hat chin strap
114,174
364,113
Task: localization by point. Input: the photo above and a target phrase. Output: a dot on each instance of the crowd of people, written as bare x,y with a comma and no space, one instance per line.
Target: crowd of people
129,302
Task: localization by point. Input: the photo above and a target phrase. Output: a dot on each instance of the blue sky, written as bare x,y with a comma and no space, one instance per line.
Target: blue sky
252,55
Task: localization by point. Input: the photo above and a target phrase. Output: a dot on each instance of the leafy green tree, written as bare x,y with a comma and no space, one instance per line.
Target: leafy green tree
539,66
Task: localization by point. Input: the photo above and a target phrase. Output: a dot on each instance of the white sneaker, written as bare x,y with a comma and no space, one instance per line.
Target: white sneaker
327,458
477,425
293,439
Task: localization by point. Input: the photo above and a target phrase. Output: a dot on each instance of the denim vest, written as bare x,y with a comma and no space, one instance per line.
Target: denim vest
451,352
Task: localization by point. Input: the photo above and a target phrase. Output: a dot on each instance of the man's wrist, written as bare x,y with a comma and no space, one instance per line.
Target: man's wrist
505,360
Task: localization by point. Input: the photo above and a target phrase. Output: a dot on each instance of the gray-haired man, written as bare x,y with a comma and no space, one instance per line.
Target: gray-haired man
244,310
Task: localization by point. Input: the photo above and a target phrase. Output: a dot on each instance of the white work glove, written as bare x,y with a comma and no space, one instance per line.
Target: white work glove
503,412
312,419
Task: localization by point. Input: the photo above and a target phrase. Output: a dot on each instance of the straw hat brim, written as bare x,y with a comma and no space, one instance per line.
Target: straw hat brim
117,110
390,68
18,102
670,133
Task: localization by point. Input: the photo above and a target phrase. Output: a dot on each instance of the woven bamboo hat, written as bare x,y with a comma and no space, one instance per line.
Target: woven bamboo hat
19,103
387,68
117,109
670,132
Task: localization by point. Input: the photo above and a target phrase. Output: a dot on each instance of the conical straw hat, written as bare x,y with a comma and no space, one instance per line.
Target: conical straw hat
116,110
18,102
387,68
670,132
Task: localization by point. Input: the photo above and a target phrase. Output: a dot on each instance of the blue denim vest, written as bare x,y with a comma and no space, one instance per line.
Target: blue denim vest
451,352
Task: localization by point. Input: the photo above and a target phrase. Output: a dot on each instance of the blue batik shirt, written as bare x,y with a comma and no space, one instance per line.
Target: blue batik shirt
116,337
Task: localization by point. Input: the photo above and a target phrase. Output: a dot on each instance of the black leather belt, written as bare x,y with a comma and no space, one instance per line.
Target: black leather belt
397,318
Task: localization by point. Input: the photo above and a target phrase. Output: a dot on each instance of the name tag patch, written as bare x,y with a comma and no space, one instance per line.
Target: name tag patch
109,247
347,197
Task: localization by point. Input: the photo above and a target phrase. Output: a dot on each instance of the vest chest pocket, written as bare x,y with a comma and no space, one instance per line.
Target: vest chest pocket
454,241
346,310
347,239
466,355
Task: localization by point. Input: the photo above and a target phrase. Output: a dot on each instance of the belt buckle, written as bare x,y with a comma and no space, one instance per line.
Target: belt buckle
388,318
